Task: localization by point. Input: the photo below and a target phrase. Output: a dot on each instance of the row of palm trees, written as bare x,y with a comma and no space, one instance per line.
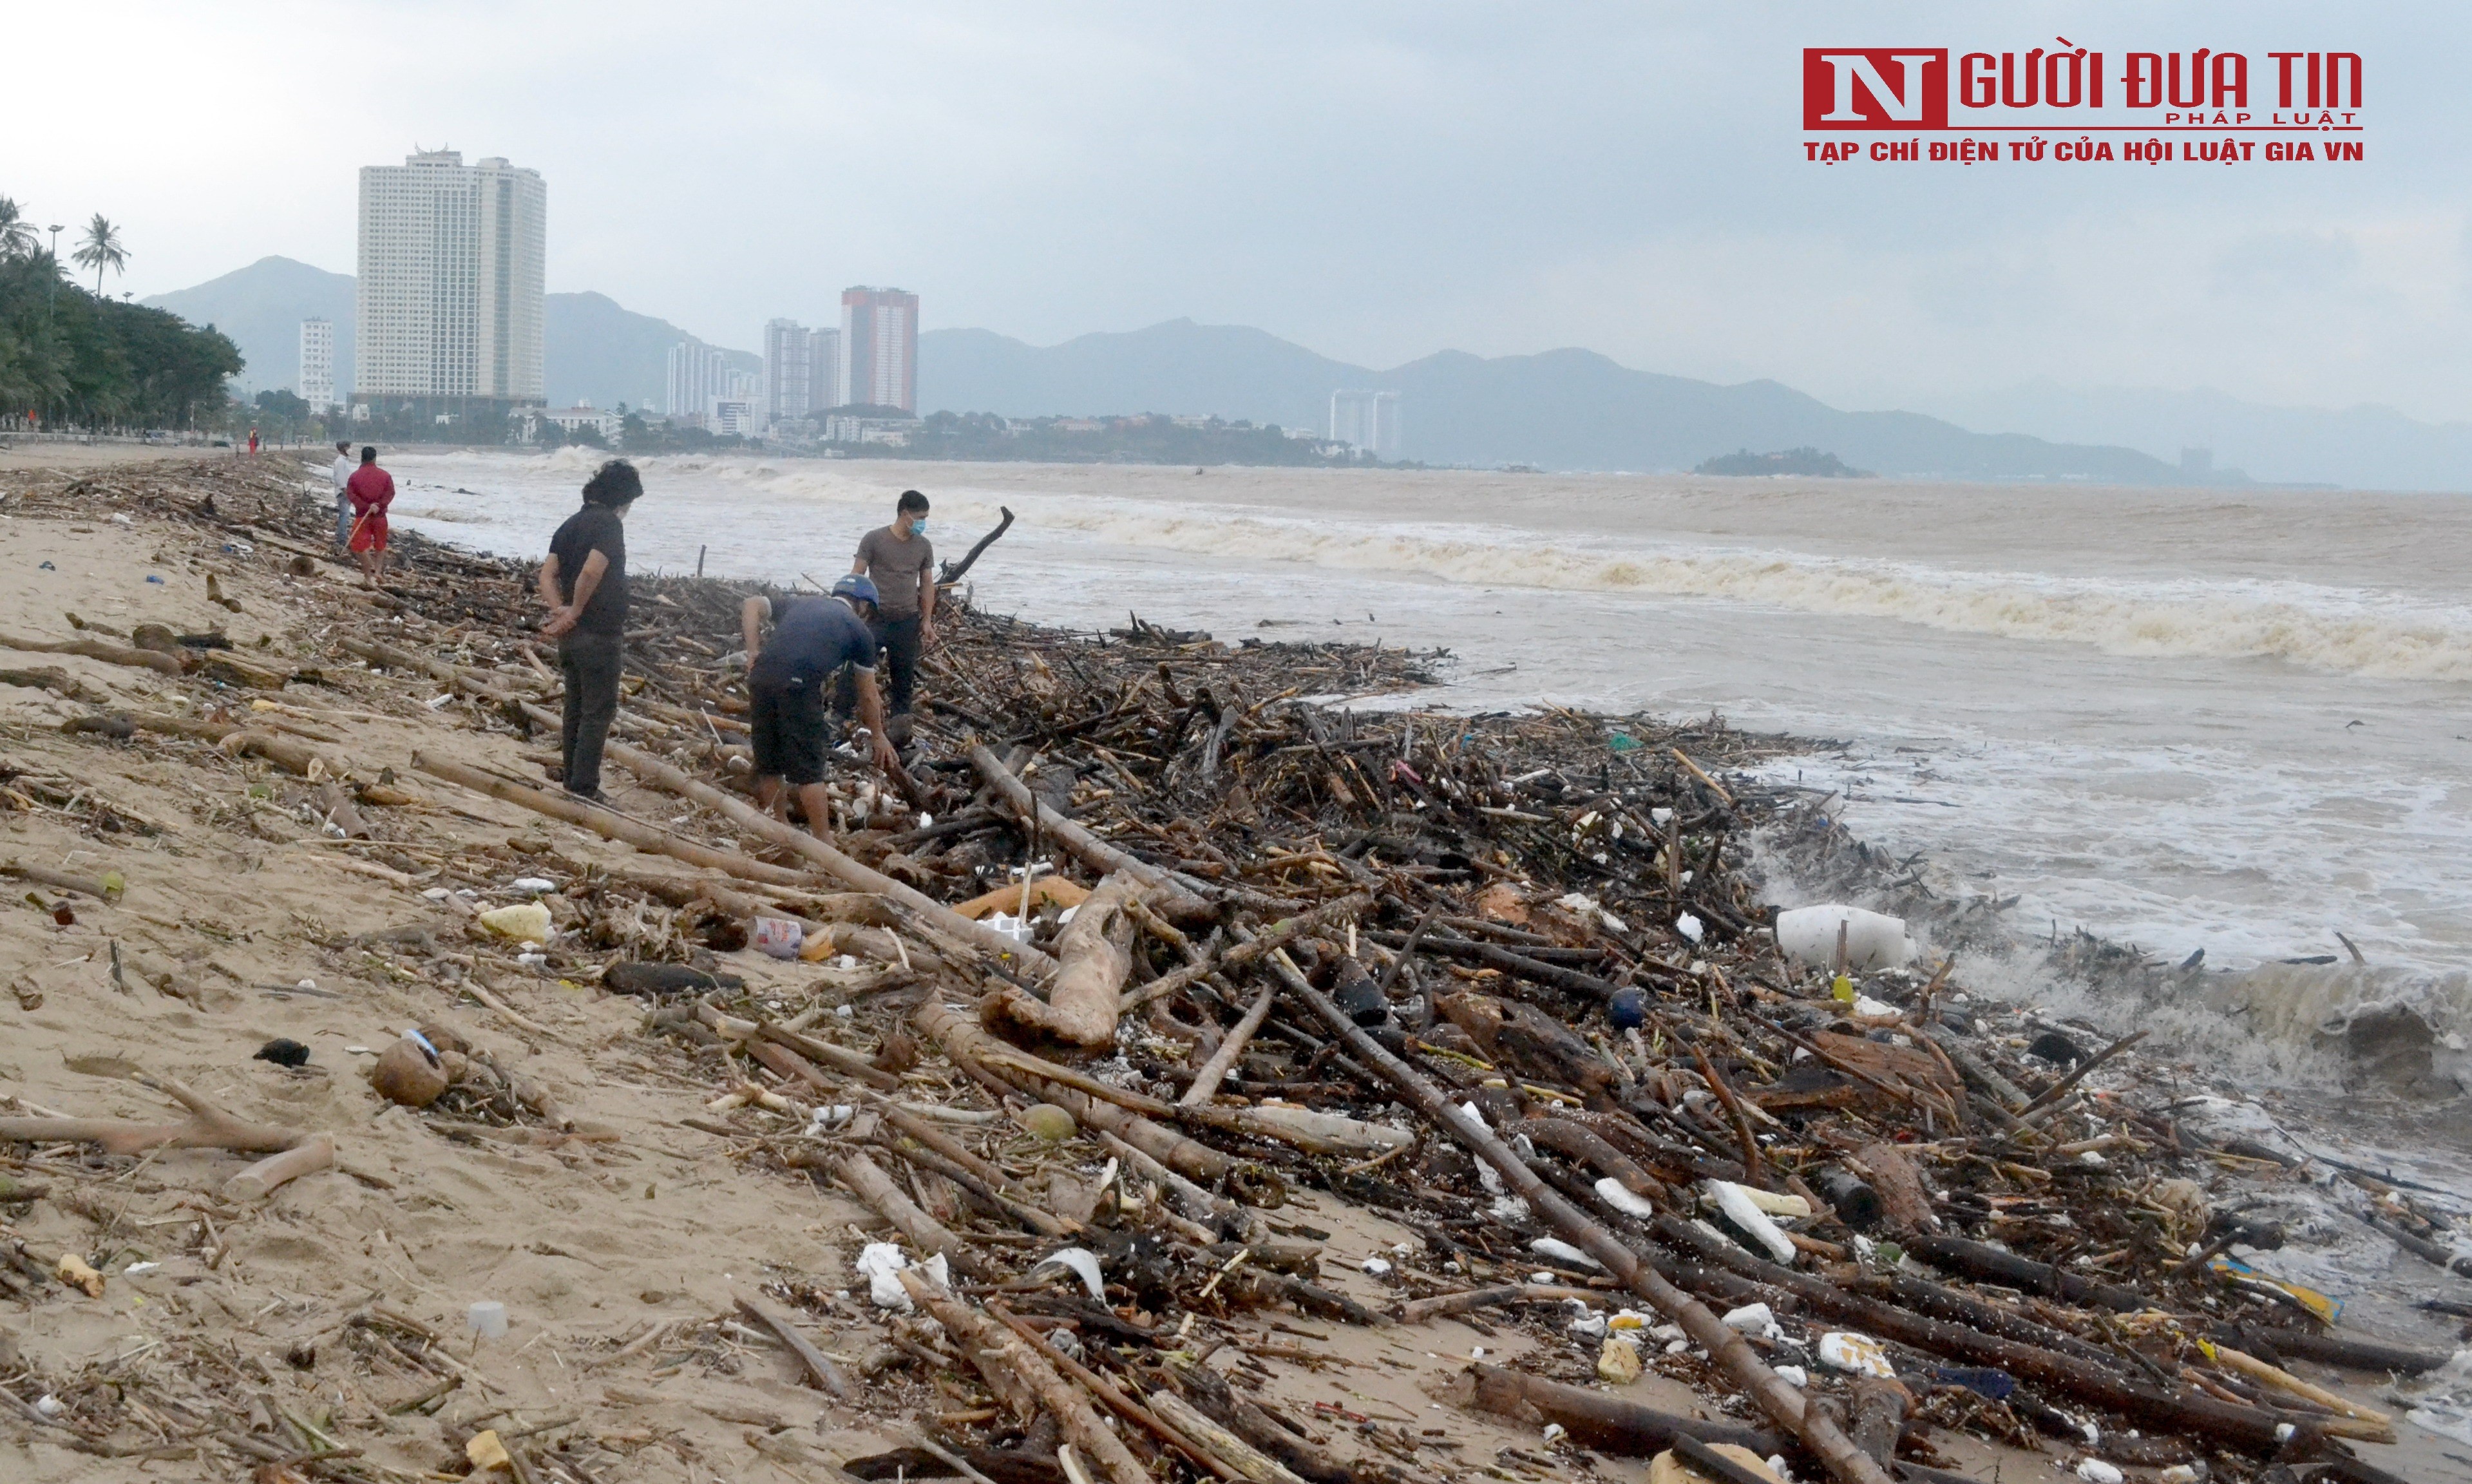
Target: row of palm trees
99,248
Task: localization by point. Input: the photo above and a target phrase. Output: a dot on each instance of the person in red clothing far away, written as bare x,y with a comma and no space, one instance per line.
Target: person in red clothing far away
371,489
253,443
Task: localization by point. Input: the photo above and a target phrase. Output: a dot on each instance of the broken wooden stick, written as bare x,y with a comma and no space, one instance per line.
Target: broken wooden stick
1624,1428
1175,899
95,649
270,1174
1012,1368
609,824
828,1375
1261,946
867,1181
1205,1082
210,1128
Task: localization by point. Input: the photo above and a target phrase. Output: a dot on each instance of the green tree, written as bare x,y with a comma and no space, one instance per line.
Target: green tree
101,249
90,361
17,237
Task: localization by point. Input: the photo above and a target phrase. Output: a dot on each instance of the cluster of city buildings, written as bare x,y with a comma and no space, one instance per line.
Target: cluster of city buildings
853,382
448,330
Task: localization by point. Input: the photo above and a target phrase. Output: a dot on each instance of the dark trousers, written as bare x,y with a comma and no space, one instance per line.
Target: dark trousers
898,639
590,664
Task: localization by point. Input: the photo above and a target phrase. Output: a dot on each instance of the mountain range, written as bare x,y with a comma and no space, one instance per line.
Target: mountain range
593,350
1559,409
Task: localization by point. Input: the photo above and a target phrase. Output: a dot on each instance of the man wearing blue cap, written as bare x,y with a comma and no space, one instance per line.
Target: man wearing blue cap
813,639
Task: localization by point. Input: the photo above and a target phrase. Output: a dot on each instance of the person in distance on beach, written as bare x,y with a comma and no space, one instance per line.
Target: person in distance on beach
900,562
371,489
813,640
344,467
584,584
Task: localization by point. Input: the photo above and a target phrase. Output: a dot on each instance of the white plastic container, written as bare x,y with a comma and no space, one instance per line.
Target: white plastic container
776,937
487,1319
1873,939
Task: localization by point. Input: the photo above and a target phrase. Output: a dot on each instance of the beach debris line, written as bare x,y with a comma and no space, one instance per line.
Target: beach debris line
1510,985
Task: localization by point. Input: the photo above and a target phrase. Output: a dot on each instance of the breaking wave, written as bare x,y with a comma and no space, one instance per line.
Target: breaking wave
2330,628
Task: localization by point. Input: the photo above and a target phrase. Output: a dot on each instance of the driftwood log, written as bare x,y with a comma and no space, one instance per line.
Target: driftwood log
1088,992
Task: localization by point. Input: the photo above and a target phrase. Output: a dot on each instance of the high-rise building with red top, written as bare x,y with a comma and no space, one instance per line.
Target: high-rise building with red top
880,347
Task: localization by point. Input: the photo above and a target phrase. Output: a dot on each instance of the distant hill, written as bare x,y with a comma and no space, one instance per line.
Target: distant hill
261,308
592,346
2365,446
1562,409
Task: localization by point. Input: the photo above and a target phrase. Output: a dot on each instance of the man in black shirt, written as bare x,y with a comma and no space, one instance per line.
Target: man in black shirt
813,639
584,584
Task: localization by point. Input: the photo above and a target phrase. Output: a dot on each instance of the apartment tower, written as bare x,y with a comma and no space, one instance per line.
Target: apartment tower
826,389
788,372
695,379
448,318
318,364
1367,421
880,347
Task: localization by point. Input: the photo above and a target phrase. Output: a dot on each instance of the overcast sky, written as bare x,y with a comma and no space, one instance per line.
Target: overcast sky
1377,181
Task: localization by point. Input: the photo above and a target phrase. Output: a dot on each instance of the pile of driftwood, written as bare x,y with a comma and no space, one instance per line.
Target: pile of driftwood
1153,929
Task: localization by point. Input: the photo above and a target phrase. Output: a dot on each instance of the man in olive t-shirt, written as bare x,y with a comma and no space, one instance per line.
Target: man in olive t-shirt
902,564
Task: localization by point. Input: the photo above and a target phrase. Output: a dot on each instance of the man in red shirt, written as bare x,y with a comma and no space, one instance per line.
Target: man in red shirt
371,489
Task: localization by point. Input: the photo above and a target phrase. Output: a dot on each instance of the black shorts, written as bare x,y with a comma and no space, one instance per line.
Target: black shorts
787,727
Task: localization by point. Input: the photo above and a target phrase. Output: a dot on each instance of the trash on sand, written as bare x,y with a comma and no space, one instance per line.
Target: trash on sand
74,1271
408,1072
1085,1264
524,920
1873,939
282,1051
776,937
487,1319
1843,1349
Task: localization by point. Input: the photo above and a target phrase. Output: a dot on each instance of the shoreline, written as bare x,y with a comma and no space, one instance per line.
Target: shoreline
592,1044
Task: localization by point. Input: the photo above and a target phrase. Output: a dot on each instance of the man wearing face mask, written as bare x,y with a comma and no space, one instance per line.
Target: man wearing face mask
898,558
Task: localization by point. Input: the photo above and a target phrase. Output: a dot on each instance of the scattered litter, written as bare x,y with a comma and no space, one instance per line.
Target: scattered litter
1843,1349
1085,1264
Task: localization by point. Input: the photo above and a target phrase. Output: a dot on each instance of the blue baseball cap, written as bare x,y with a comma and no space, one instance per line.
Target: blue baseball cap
856,588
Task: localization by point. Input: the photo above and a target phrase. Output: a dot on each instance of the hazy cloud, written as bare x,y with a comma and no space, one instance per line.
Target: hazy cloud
1376,180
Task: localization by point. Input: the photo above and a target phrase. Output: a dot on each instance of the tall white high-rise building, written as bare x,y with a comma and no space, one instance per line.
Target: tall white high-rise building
787,371
318,364
825,388
695,378
880,347
450,282
1367,421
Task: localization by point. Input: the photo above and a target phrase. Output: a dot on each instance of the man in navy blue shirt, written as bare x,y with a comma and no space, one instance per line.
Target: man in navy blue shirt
812,640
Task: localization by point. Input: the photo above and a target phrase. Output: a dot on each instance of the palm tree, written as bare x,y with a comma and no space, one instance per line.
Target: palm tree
17,237
101,250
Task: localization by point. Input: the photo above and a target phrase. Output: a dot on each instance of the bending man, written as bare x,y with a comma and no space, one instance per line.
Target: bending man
813,638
